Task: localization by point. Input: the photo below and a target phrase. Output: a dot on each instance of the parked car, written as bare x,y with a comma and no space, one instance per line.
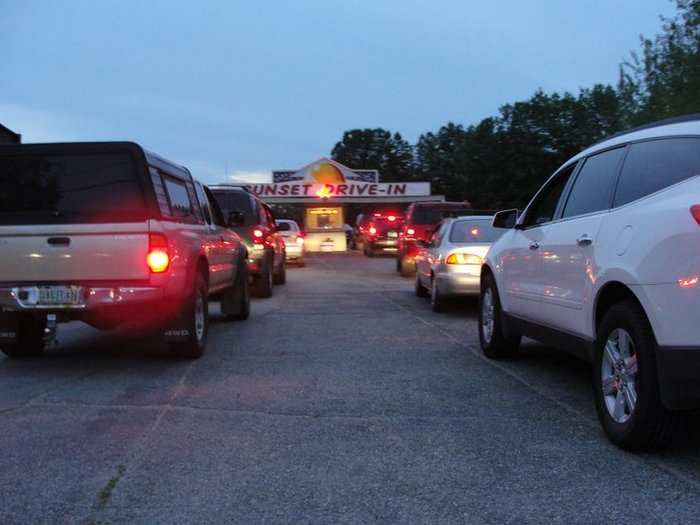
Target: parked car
293,240
450,263
112,235
359,230
381,235
422,218
605,263
254,222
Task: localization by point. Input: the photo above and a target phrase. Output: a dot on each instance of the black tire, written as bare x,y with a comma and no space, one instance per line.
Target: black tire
196,311
407,269
649,425
438,302
30,338
398,264
263,282
500,345
280,276
236,300
419,289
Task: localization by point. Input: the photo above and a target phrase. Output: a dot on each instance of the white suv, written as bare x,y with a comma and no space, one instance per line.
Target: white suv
604,263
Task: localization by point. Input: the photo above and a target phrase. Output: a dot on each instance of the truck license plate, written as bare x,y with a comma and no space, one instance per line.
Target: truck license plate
59,295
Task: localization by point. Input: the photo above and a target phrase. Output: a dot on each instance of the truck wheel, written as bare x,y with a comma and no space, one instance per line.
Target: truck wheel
236,300
263,283
30,338
495,343
398,264
196,317
419,288
280,276
437,300
625,382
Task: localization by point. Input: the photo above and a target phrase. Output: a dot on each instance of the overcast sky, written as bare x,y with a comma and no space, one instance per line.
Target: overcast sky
249,86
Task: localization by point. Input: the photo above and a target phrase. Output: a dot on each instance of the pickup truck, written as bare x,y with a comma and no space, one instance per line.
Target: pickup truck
112,235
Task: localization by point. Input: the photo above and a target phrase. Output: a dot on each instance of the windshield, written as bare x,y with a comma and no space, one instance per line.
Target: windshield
474,231
46,189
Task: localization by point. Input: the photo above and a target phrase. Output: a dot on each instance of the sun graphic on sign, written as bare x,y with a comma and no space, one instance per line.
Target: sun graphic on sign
324,192
326,173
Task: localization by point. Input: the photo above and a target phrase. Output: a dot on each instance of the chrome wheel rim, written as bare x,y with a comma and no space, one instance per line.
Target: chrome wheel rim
487,315
619,375
199,317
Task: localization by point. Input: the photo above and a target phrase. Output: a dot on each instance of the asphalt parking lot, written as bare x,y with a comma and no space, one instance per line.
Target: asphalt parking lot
342,399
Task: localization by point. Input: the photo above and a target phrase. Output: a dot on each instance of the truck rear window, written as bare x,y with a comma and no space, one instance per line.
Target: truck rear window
66,189
230,201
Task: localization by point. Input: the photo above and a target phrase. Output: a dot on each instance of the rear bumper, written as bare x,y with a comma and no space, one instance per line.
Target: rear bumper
294,251
459,283
679,376
384,245
25,298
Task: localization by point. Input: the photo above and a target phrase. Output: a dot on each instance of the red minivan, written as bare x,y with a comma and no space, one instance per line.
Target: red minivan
421,220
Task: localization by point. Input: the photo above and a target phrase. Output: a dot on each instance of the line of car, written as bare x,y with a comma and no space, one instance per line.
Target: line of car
603,263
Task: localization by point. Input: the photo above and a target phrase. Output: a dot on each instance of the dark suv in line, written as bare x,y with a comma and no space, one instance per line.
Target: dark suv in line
254,222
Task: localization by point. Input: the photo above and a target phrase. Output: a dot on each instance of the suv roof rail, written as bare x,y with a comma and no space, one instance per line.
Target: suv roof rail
664,122
232,185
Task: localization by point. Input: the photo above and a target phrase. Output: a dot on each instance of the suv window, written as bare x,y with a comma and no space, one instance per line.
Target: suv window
592,190
180,203
544,208
653,166
69,189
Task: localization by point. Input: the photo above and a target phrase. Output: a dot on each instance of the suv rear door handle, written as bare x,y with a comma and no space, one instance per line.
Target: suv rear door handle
534,245
584,240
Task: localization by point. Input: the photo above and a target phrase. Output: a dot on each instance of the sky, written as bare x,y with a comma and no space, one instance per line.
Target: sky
233,89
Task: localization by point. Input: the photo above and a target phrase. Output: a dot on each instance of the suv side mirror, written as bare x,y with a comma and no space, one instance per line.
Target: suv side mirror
505,219
235,218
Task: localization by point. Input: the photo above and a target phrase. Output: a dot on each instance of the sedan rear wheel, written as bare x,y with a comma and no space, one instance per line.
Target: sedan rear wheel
437,300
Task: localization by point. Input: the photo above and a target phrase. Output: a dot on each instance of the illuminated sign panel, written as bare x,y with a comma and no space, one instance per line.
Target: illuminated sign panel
347,189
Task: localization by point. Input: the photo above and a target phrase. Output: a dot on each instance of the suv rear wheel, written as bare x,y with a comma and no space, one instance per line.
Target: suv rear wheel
196,318
625,381
280,276
495,343
30,337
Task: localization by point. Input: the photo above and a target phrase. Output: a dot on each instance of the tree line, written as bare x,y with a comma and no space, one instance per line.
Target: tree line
501,161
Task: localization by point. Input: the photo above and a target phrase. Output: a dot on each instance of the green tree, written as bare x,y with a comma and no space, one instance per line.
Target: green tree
376,149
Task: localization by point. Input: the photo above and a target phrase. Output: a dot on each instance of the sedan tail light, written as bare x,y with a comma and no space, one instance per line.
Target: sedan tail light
463,258
258,236
158,258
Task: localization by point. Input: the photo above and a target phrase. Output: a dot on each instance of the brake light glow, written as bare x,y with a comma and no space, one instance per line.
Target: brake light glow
158,258
410,231
372,230
391,218
463,258
688,282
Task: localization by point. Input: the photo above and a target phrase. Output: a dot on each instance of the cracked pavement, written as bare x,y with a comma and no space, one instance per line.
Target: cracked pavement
342,399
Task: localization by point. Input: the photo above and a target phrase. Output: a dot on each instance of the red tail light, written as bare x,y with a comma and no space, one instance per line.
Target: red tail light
695,212
391,218
410,231
158,258
372,230
258,236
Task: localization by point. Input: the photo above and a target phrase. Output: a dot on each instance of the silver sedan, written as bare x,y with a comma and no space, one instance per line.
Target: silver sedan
450,263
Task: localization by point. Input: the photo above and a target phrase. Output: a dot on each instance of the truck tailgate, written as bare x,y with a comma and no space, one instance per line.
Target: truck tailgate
74,252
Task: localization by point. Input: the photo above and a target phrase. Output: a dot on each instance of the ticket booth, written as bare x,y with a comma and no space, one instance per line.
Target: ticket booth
323,226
